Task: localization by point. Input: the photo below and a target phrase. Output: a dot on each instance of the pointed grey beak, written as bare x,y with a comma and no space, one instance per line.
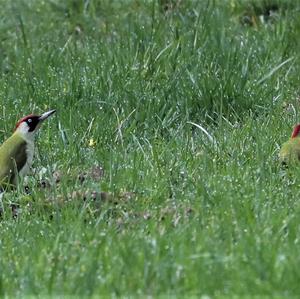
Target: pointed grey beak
46,115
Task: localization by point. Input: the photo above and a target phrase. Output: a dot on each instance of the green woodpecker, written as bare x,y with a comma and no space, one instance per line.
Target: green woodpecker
16,153
290,150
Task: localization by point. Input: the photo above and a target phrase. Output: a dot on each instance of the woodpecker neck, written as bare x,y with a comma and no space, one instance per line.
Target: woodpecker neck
22,130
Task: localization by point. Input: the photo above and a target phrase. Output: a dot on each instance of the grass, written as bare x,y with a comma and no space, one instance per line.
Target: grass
184,106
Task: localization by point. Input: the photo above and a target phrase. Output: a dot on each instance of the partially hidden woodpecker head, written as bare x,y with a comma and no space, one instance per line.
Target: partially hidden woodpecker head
30,124
296,131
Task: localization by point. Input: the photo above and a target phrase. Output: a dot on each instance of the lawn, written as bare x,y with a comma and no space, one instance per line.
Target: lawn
159,173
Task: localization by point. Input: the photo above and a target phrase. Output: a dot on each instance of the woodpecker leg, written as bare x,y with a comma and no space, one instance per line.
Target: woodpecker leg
284,165
1,204
15,210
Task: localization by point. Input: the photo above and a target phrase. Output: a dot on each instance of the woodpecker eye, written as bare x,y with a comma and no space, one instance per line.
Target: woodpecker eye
29,120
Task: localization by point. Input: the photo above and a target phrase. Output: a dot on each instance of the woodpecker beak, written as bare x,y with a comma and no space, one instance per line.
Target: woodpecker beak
46,115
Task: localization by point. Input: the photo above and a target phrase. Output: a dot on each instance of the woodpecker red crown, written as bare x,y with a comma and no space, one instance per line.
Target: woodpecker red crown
296,131
25,118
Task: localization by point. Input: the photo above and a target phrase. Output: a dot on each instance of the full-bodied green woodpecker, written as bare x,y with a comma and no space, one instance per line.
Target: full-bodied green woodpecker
16,153
290,150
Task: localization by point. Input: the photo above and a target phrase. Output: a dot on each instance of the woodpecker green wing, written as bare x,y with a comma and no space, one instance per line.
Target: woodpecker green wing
290,151
12,158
